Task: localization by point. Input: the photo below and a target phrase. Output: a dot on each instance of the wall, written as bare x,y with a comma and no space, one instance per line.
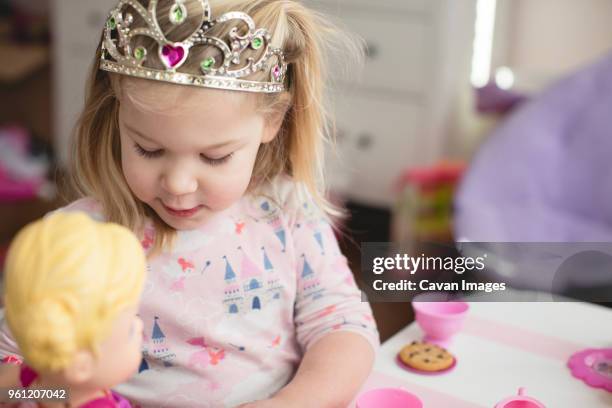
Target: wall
541,41
545,39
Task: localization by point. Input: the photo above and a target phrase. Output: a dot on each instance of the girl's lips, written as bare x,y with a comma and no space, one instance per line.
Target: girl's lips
182,213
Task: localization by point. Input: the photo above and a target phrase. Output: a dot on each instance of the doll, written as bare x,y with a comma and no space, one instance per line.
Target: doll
72,287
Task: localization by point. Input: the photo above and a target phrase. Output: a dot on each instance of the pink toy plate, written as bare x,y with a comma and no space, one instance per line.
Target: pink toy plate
594,367
406,367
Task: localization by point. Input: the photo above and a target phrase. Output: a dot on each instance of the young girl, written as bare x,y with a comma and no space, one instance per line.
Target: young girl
203,132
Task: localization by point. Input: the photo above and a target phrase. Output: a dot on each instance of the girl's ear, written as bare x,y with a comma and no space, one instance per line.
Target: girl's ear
274,121
272,127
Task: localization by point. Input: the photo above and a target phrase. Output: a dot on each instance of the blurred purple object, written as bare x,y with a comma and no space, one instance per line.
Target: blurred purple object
492,99
545,175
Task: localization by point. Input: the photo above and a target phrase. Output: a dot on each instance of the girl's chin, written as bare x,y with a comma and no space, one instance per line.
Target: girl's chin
185,225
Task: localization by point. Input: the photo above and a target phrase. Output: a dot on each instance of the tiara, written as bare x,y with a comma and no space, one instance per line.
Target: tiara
120,56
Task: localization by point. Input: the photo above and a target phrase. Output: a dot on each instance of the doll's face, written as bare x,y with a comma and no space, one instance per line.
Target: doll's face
187,152
121,353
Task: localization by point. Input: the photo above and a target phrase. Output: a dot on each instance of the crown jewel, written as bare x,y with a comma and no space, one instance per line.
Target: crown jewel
226,69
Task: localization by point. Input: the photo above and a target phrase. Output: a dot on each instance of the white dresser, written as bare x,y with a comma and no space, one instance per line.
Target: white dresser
397,114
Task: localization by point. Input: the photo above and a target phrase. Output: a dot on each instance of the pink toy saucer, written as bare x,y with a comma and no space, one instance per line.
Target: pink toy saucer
406,367
594,367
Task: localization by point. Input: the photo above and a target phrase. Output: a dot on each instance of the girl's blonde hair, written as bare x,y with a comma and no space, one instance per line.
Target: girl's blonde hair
67,278
305,37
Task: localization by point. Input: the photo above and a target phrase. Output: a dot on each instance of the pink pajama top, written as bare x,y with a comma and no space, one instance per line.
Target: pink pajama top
230,310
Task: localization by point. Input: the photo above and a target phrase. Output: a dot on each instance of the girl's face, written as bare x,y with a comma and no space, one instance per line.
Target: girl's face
188,152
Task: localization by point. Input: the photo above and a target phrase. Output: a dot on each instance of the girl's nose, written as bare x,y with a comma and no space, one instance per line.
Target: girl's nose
179,181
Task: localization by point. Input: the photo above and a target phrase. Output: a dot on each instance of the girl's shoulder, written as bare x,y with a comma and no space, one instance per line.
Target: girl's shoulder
285,198
87,205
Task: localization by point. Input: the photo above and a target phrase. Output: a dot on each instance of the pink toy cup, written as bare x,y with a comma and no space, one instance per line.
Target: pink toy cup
388,398
520,401
440,320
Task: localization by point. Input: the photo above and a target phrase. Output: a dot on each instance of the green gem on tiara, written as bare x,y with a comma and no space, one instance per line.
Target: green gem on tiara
140,53
111,23
207,64
178,13
257,43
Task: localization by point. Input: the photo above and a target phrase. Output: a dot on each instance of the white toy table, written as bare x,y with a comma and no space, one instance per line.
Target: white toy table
502,347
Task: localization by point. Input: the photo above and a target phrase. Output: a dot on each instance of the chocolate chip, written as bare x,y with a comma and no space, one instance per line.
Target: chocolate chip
426,360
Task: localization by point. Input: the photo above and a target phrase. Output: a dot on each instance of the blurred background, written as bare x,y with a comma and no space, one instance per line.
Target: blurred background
481,120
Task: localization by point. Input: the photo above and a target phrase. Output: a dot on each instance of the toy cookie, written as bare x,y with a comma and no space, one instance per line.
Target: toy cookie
426,357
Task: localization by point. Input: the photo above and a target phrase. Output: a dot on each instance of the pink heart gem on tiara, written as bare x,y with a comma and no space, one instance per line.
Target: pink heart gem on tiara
172,55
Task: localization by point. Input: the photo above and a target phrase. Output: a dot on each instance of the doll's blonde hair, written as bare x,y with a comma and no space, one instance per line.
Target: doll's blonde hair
305,36
67,278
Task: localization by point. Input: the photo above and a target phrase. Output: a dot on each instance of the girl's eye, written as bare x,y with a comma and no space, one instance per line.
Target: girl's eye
216,162
147,154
